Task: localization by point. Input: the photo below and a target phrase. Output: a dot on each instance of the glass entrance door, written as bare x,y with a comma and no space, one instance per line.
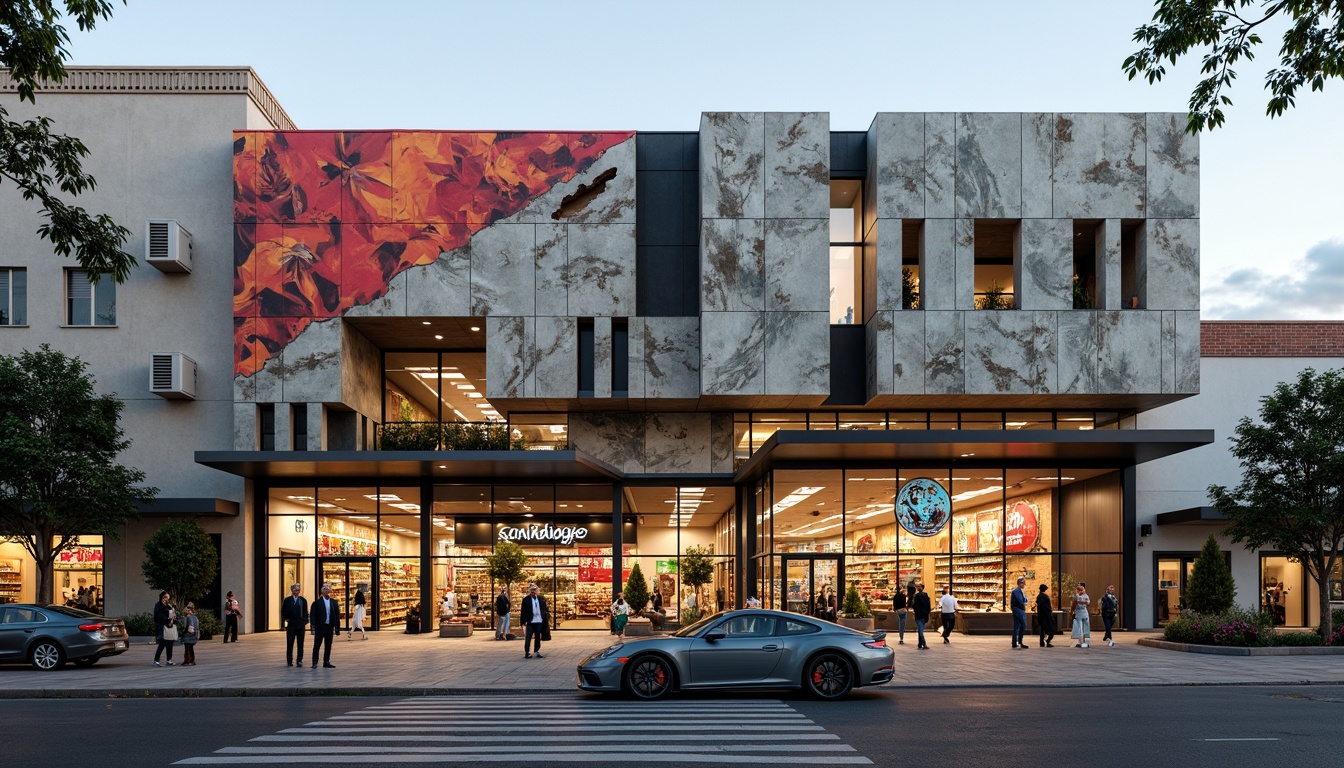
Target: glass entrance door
347,576
812,585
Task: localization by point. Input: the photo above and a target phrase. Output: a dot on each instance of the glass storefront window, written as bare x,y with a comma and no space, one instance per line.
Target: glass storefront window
863,421
542,431
1029,420
909,420
982,420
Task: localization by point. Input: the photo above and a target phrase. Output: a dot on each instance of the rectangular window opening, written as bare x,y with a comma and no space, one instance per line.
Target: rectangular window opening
266,419
587,365
912,244
620,357
846,251
996,252
87,303
298,419
1131,234
13,296
1085,263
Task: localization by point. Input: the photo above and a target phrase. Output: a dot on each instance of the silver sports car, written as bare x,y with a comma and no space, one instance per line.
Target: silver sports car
743,649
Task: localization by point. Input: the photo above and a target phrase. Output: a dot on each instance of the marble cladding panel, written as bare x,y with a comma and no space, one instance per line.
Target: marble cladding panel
552,269
944,349
244,389
1038,165
611,203
940,165
503,270
614,438
896,148
635,357
245,432
1044,273
732,165
270,380
963,240
989,165
889,253
1173,168
557,355
510,356
601,271
797,264
441,288
732,265
732,353
878,349
284,430
1170,264
797,165
797,353
1100,166
1108,265
870,185
1078,372
602,354
671,357
393,302
677,442
1187,352
908,361
315,427
1167,348
361,372
1045,353
1001,354
938,265
720,442
312,367
1128,352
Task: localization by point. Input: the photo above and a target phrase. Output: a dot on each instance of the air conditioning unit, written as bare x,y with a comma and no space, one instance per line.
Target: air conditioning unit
172,375
167,246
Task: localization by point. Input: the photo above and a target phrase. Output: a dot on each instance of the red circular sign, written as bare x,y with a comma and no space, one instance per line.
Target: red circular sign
1022,529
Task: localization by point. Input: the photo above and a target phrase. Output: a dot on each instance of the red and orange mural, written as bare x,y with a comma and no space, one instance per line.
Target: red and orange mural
324,220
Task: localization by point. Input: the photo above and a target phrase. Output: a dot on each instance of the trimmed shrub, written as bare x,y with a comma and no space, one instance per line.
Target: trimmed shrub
1337,638
1239,627
1236,633
1211,589
210,624
139,624
1297,639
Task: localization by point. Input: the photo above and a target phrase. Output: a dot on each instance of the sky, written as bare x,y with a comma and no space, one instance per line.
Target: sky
1272,203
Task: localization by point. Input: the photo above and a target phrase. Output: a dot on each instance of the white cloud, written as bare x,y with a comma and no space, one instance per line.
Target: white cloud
1312,290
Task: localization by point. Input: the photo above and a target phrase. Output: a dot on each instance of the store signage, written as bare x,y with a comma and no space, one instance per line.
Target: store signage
78,558
923,507
564,535
1023,528
595,565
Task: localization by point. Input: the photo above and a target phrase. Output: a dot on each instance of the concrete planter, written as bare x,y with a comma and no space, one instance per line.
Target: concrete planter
455,629
863,625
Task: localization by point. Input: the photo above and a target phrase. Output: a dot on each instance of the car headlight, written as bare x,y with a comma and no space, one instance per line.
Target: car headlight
608,652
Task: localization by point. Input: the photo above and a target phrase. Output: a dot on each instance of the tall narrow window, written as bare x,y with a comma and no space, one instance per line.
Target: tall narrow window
587,363
912,235
87,303
1131,234
298,418
13,296
996,249
620,357
266,421
846,247
1085,263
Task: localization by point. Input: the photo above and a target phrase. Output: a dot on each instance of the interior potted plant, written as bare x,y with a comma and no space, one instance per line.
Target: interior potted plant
854,612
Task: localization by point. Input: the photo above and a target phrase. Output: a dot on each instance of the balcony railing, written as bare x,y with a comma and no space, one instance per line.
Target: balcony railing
448,436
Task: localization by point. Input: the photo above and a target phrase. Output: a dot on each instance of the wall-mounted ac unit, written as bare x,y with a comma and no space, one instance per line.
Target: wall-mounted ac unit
172,375
167,245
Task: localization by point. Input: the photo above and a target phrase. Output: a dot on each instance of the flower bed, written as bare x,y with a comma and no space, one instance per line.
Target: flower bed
1243,628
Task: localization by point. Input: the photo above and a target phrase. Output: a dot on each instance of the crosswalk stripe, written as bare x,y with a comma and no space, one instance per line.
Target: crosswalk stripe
624,738
335,749
527,757
343,728
580,724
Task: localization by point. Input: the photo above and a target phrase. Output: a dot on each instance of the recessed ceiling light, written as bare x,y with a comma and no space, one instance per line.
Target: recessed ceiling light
475,327
424,322
438,336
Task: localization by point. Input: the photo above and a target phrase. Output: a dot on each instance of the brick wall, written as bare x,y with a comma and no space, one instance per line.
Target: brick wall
1232,338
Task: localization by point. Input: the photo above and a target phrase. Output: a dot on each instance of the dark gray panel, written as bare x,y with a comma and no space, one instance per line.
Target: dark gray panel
660,208
848,355
659,280
659,151
849,154
690,209
690,281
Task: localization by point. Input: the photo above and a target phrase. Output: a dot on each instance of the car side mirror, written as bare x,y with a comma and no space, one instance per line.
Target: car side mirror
714,635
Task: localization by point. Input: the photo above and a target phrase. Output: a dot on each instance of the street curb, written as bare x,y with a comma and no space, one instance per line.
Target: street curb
1221,650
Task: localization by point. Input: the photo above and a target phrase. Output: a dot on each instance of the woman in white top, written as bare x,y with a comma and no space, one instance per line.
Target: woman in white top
1082,621
358,621
620,615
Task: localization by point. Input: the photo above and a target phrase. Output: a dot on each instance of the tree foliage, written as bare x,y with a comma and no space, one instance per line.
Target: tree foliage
181,559
1228,31
59,478
697,569
1211,588
507,564
853,606
636,590
43,165
1291,494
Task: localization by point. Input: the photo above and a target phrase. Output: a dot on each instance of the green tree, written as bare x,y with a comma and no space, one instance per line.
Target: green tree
697,570
181,559
59,478
853,605
1211,588
909,289
636,589
507,564
1291,494
1312,50
44,165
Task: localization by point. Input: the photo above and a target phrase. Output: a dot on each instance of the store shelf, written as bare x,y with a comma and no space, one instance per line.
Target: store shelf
977,582
11,580
398,590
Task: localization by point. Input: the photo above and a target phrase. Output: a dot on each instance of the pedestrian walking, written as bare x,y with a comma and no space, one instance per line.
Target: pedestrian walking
326,618
232,613
947,606
502,608
1018,599
753,602
921,606
536,623
1045,617
620,615
190,636
294,620
1110,607
165,628
899,602
361,610
1082,621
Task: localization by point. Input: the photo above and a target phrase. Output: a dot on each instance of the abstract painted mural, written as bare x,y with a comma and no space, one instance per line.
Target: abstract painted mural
324,220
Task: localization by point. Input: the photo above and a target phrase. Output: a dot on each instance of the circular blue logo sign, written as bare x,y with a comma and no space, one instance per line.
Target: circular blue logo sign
922,507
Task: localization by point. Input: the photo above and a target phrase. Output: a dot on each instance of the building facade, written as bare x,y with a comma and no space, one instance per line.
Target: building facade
934,351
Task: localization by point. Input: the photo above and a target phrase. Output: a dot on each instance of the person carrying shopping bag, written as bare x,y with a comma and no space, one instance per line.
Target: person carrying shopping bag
1082,621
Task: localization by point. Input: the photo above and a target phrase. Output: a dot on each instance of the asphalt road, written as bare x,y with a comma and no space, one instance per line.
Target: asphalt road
1187,726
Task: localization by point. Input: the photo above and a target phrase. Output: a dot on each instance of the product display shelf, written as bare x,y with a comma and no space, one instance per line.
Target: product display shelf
592,599
398,589
11,581
874,577
472,581
977,582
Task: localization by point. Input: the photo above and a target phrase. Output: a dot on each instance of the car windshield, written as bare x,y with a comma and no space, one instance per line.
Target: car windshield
695,628
68,611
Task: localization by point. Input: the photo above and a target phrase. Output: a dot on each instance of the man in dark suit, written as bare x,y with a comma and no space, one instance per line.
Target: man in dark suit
294,620
536,620
326,625
922,607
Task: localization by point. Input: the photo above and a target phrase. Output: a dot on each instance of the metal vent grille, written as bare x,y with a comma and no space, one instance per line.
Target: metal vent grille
161,374
158,239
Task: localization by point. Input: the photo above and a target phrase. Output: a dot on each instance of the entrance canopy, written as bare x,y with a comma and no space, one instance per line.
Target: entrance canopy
538,466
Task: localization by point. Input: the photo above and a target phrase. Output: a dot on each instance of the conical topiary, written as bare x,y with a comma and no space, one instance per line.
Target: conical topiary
1211,588
636,590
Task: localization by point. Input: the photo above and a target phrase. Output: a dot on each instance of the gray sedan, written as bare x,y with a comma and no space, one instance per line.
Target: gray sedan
744,649
47,636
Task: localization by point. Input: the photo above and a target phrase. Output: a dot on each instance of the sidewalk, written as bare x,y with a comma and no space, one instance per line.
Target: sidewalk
394,664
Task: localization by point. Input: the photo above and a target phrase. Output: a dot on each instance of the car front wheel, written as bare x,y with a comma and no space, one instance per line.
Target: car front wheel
649,678
47,655
828,676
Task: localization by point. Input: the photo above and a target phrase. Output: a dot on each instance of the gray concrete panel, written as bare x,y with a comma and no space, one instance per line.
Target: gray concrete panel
614,203
1170,264
732,265
896,144
1173,168
732,353
246,435
1128,352
964,249
944,349
1078,372
1038,165
1100,166
878,349
557,368
909,350
797,353
510,357
671,357
503,270
677,442
316,428
721,442
889,245
989,165
1108,265
614,438
313,363
938,265
940,165
1187,352
552,270
732,165
797,264
1045,351
1167,348
797,165
1000,353
635,358
602,354
1044,270
442,287
601,272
